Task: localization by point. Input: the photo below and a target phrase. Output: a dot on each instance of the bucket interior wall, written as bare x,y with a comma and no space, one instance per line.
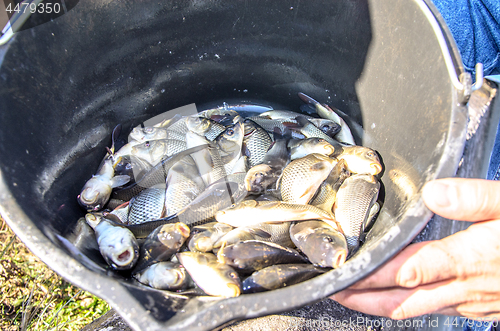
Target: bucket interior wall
66,84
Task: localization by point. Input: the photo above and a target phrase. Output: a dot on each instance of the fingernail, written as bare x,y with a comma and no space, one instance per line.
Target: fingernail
440,194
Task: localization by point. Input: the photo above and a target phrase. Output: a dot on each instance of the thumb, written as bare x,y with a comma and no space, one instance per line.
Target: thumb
463,199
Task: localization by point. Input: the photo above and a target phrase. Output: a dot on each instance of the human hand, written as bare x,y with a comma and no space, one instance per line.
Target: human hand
457,275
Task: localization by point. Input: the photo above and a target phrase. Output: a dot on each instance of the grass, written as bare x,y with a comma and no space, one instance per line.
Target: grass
33,297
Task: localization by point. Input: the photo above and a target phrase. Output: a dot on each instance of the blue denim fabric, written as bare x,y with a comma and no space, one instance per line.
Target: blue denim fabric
475,26
472,325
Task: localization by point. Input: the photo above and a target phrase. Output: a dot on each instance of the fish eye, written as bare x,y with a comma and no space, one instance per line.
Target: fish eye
327,239
146,144
233,275
370,154
325,127
230,132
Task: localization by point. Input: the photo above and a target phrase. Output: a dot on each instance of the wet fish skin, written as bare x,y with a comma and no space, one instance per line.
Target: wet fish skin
355,199
209,234
204,126
215,197
252,212
323,245
278,276
302,177
214,278
147,206
327,192
153,151
304,147
155,177
329,127
256,142
162,244
309,130
165,275
361,160
184,184
251,255
324,111
97,190
117,244
277,233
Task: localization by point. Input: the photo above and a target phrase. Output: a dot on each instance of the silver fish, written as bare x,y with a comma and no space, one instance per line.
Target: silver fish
309,130
162,244
323,245
251,255
264,176
345,135
278,125
301,178
304,147
355,199
230,143
278,276
209,234
214,278
165,276
274,233
97,190
361,160
153,151
117,244
183,185
215,197
208,160
256,142
327,192
147,206
329,127
251,212
205,127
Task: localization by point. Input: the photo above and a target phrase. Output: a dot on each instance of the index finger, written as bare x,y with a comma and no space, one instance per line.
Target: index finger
463,199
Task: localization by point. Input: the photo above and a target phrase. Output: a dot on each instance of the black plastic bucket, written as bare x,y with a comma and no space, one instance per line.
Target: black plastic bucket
389,65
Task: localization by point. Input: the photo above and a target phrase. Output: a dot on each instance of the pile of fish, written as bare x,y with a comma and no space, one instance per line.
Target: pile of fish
224,204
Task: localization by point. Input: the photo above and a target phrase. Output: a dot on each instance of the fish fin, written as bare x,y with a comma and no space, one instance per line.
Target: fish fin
302,120
245,151
307,99
114,137
119,180
259,232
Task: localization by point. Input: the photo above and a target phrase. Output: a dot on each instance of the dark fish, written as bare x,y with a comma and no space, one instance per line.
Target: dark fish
251,255
277,233
323,245
277,276
162,244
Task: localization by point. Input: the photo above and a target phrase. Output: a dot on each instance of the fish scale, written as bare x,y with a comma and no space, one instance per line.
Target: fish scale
147,206
302,177
355,198
257,142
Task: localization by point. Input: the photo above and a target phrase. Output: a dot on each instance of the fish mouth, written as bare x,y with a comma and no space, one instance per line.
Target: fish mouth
183,229
89,196
376,167
339,259
124,258
235,290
